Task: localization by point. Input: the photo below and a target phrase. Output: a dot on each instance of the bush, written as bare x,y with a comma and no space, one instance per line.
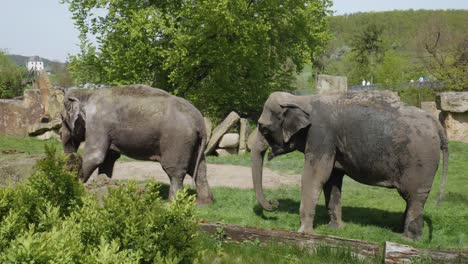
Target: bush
51,219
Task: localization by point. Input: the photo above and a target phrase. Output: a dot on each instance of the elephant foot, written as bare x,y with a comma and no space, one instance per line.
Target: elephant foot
335,225
306,230
204,201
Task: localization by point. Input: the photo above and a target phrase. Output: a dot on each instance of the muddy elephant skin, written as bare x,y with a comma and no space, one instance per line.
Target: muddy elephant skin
370,136
141,122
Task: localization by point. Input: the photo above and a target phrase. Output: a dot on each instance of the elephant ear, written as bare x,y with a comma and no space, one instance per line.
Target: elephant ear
73,112
294,119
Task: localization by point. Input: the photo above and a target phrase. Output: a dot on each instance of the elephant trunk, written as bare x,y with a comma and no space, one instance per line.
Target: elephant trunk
257,154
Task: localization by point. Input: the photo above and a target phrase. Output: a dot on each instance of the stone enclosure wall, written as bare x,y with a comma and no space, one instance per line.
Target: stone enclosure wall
454,114
22,117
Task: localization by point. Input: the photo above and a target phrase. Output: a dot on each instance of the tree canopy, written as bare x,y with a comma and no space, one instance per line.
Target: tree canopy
11,78
222,54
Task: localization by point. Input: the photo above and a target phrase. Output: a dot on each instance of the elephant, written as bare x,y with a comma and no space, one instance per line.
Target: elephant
370,136
141,122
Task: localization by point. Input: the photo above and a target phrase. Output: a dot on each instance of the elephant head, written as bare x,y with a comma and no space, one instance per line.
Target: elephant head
282,126
72,132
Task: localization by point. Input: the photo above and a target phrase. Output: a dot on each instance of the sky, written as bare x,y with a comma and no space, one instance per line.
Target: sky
45,27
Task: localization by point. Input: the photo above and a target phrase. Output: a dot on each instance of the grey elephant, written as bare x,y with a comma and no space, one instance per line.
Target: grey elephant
370,136
141,122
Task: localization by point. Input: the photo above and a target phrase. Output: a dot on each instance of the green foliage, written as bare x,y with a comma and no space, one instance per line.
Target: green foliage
223,55
51,219
403,36
11,77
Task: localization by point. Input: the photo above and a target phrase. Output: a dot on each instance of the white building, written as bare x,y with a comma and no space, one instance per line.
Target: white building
35,63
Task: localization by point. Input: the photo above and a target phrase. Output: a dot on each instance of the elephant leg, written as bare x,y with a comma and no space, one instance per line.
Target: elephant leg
107,167
94,155
413,227
317,171
175,173
204,195
332,191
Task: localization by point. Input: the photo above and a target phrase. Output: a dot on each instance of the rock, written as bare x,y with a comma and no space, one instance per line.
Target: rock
48,135
431,107
229,140
330,83
456,126
18,115
208,127
251,139
220,130
244,134
226,152
456,102
17,168
40,128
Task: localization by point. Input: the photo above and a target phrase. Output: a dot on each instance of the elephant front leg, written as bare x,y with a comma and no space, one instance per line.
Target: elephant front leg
332,191
316,172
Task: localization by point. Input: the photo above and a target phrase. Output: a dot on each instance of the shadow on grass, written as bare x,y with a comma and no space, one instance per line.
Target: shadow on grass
358,215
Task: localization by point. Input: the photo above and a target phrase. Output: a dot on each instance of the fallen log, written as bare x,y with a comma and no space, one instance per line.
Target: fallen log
362,249
398,253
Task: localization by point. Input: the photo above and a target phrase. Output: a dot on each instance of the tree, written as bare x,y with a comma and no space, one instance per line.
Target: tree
449,62
368,48
11,78
223,55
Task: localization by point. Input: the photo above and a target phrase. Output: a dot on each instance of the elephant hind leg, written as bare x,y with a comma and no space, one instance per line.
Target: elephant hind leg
413,221
176,176
332,191
204,195
107,167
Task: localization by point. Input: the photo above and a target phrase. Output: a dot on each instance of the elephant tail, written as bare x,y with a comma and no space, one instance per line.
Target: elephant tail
201,152
445,154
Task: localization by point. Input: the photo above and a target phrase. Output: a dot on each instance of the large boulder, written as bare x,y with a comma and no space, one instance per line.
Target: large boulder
454,107
40,128
226,152
455,102
456,126
220,130
208,127
17,168
244,134
17,116
229,140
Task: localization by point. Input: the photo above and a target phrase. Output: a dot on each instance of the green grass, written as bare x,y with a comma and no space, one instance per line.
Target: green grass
369,213
28,145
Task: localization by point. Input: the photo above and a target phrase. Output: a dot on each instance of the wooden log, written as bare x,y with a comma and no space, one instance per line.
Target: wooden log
398,253
244,134
220,130
359,248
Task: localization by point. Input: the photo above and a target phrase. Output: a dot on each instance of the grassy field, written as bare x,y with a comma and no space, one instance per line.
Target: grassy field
369,213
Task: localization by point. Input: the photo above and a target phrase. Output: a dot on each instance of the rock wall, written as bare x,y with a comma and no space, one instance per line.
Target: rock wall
454,117
17,116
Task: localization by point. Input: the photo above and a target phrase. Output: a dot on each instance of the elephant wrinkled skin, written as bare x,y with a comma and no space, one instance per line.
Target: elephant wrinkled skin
141,122
370,136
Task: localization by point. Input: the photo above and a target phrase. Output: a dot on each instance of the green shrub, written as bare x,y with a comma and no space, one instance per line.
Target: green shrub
51,219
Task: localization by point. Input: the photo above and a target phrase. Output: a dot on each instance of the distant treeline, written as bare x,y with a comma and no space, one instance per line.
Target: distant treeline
395,47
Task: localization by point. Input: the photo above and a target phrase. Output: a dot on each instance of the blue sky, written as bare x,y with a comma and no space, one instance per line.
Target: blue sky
45,28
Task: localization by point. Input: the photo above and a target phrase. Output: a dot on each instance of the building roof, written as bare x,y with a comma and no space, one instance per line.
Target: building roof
35,58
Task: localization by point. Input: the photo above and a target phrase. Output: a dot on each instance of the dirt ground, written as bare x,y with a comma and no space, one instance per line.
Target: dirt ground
218,175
